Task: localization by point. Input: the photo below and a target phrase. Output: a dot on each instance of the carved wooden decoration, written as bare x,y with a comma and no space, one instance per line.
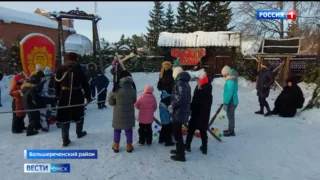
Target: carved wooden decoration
77,12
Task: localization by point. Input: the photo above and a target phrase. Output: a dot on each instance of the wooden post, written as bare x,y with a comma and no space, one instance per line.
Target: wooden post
94,41
260,59
285,70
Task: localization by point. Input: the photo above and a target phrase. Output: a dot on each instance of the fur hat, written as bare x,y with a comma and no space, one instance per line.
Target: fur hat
17,77
176,72
203,81
148,89
38,67
166,63
225,70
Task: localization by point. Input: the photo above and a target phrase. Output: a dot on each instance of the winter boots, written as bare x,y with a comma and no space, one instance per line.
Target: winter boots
228,133
177,157
261,111
79,130
129,148
203,149
115,147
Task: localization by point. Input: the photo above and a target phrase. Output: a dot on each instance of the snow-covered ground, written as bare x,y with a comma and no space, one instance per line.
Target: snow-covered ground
264,148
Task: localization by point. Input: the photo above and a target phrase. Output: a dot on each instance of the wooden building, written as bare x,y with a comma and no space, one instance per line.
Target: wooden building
208,50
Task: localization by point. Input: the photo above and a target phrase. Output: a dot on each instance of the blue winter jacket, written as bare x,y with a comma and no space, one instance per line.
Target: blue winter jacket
163,109
181,98
231,88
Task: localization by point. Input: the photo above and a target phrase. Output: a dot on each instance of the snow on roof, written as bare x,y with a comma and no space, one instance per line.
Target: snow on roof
250,47
9,15
200,39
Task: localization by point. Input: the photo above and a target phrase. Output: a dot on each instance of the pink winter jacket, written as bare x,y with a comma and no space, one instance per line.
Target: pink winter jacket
147,105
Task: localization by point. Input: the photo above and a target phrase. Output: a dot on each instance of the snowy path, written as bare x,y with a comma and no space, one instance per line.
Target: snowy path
264,148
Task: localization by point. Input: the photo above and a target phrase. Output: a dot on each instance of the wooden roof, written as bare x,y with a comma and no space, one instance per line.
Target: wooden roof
280,46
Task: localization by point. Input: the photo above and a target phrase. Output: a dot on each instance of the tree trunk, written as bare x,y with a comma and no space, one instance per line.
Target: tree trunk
281,33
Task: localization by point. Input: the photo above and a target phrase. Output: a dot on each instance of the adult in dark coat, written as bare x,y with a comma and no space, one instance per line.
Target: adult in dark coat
265,81
32,100
102,87
70,81
200,113
166,81
165,85
92,79
290,99
118,72
180,108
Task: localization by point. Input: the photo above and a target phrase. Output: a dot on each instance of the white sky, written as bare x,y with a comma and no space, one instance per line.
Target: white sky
117,17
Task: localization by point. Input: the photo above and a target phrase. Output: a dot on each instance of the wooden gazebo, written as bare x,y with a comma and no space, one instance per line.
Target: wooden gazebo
285,49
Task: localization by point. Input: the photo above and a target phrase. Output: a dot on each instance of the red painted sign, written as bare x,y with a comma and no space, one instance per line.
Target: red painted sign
37,49
189,56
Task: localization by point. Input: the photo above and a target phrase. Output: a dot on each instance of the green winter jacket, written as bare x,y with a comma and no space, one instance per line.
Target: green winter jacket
231,88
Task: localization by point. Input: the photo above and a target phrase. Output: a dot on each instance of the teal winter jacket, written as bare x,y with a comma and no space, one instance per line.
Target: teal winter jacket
231,88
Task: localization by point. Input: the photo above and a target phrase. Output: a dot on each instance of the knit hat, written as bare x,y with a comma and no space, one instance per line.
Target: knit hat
38,67
203,81
176,72
47,71
17,77
148,89
225,70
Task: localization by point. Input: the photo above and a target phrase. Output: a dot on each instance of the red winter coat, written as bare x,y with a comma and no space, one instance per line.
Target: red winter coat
15,93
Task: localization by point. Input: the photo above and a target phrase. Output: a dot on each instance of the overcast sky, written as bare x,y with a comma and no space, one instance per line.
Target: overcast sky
117,17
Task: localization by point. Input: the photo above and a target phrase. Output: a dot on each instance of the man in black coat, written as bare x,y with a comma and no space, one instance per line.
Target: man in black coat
70,81
1,76
265,81
200,113
102,87
31,101
290,99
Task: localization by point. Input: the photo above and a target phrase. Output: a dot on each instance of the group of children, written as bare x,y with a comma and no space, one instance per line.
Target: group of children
36,92
176,106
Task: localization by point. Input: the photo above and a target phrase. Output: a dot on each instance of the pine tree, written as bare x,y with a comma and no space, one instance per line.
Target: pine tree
218,16
181,25
169,20
197,15
156,24
121,42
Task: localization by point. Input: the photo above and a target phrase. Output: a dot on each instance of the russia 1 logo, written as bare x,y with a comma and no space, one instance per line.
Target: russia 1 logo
291,15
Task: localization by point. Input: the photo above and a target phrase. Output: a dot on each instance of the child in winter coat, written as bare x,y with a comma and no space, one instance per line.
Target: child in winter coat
180,108
147,105
123,100
165,117
102,87
49,99
200,113
230,97
15,92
